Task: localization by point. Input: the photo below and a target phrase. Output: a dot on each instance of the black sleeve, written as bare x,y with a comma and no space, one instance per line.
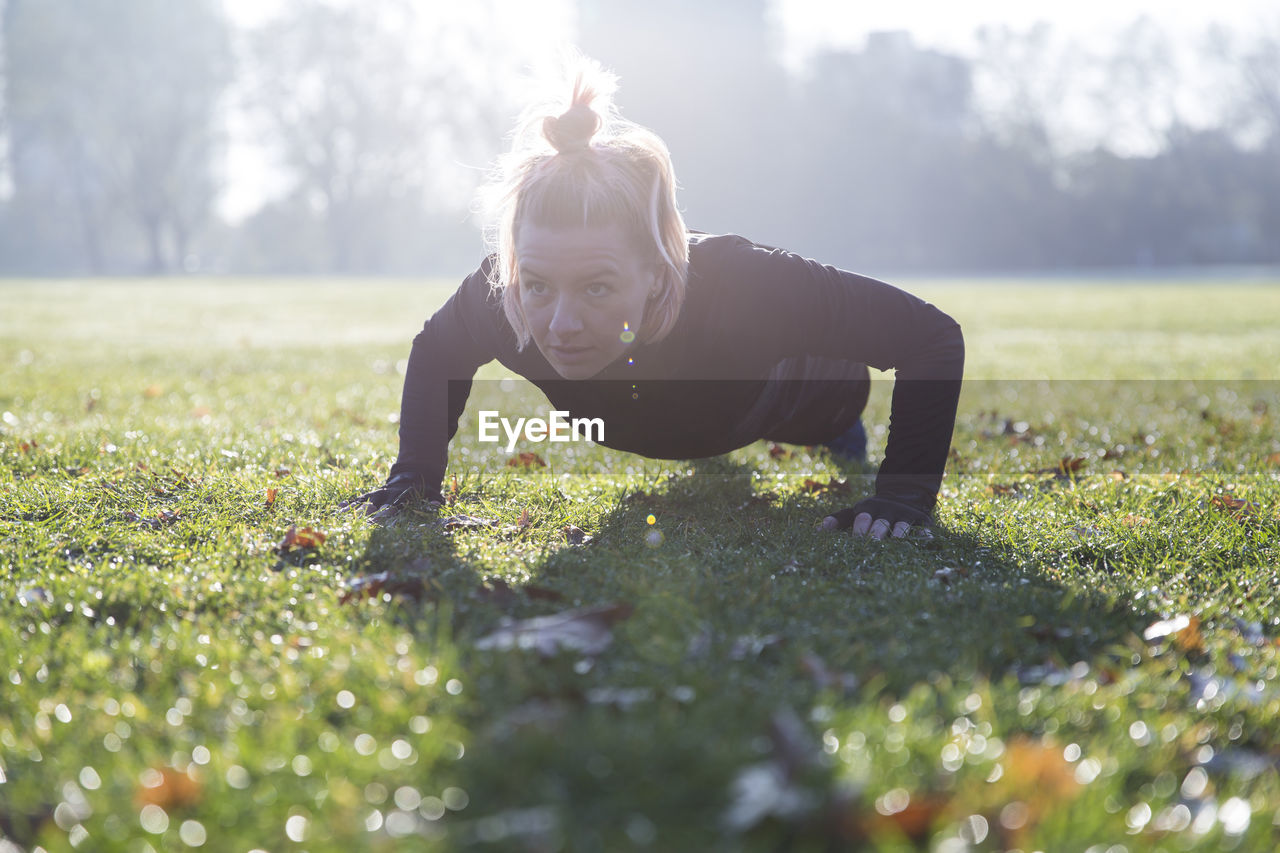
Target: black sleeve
797,306
452,345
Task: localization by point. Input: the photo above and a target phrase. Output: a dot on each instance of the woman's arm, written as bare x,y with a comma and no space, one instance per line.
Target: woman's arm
445,355
796,306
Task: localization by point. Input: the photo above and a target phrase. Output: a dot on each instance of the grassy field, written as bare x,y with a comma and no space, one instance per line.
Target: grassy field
1084,656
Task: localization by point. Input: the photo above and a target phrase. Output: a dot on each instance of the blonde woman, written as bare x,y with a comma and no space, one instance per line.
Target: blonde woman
684,344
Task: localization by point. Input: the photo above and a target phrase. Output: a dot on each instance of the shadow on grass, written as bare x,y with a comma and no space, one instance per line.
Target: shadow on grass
741,608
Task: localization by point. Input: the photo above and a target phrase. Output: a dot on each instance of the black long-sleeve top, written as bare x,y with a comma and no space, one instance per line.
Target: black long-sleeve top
747,308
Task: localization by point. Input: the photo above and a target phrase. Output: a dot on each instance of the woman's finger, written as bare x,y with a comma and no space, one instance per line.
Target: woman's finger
900,529
879,528
861,524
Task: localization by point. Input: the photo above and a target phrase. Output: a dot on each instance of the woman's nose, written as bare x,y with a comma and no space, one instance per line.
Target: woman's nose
567,319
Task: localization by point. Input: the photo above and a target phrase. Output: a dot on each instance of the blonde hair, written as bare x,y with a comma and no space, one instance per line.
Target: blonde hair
581,164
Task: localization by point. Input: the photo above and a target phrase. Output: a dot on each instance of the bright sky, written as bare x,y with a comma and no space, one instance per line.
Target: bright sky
535,27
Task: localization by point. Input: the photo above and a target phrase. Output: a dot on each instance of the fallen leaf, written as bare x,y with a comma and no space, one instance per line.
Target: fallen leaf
169,789
300,538
777,451
1237,507
1067,468
575,535
832,486
466,522
281,473
271,498
586,631
1037,779
526,460
915,819
28,446
525,518
1183,632
392,583
1134,520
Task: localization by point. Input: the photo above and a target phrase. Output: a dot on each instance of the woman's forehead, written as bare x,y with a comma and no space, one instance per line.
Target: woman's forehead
573,246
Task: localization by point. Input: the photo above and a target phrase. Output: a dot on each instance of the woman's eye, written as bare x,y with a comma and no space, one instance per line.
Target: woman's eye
599,288
535,288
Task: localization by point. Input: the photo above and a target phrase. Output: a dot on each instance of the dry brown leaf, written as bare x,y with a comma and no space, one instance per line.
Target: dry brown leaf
777,451
832,486
415,587
575,535
172,789
586,631
526,460
271,498
1237,507
1068,467
1135,520
300,538
915,820
1183,632
525,518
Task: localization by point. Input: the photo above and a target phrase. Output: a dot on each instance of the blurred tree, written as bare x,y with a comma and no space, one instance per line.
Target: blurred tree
358,101
111,107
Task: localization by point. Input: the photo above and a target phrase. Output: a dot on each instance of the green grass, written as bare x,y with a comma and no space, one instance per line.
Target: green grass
171,680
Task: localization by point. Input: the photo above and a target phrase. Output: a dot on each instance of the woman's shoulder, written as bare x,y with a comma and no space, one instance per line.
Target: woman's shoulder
739,261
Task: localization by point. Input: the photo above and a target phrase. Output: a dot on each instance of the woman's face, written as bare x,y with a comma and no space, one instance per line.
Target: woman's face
583,291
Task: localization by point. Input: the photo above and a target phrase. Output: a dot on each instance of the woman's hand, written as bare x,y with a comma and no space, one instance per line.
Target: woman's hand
879,517
388,499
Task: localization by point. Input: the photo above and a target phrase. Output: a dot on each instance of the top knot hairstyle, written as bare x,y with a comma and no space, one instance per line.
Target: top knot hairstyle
580,164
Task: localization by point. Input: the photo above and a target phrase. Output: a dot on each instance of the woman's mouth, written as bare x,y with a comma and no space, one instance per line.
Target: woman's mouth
570,353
